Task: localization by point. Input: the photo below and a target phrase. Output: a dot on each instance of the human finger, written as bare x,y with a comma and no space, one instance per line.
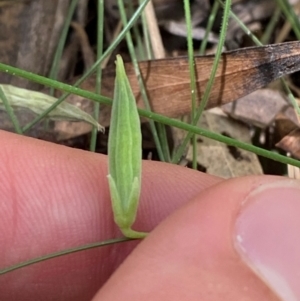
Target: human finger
54,198
237,240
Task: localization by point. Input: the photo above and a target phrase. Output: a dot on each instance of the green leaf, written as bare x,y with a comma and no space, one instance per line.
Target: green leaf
38,102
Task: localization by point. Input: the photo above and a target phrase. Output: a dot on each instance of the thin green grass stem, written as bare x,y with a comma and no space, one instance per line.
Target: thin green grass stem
140,51
100,35
193,87
62,40
218,137
10,113
210,83
291,96
150,115
140,80
271,26
243,26
290,15
133,32
70,89
210,23
164,139
146,36
62,253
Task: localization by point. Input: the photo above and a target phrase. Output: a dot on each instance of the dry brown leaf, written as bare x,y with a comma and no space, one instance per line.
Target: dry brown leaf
167,81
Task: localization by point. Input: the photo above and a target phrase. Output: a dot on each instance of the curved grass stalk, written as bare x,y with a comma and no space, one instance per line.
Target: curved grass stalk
156,117
62,253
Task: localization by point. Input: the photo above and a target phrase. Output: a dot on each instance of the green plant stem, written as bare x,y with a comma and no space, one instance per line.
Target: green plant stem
135,32
210,24
100,34
144,113
62,253
271,26
290,15
140,80
224,139
59,50
210,83
10,113
243,26
193,87
164,139
146,36
295,23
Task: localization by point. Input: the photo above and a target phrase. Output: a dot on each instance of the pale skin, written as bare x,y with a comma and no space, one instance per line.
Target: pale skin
54,197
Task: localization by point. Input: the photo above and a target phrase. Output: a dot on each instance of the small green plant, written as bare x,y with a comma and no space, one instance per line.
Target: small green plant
125,192
125,154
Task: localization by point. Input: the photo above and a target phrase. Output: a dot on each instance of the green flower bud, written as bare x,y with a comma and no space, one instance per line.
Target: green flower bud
125,154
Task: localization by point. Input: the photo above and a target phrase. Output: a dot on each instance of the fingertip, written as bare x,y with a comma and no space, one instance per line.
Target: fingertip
267,232
191,255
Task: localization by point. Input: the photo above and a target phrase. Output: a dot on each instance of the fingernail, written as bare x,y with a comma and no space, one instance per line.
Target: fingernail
267,233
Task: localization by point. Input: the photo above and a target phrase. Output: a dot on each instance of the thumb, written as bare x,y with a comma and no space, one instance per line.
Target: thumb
237,240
